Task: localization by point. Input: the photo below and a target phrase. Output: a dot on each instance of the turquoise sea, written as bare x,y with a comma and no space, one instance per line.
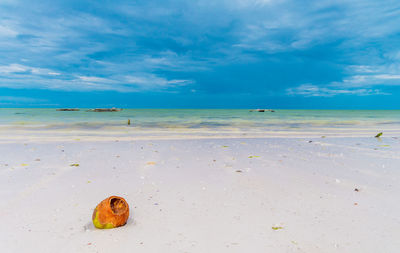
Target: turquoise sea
200,121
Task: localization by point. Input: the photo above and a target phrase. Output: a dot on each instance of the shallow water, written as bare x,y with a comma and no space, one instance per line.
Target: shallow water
199,121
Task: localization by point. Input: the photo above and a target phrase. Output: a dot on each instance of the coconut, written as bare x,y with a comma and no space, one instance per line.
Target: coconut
111,213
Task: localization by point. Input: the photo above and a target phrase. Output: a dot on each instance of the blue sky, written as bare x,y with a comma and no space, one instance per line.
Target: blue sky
200,54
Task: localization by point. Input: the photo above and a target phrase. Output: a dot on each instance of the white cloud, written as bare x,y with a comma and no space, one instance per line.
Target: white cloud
149,81
6,31
387,77
13,68
54,73
203,33
22,76
94,79
251,3
278,26
20,99
23,69
361,80
309,90
368,76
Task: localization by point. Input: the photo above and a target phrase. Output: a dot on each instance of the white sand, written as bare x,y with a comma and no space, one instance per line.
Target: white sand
194,200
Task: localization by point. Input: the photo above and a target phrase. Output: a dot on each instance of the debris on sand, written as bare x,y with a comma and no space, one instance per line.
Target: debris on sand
253,156
378,135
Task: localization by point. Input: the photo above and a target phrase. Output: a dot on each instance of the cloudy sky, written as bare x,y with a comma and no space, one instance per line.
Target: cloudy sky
200,54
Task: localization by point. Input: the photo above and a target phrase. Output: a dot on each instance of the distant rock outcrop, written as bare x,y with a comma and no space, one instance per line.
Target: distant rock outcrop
104,110
261,110
67,109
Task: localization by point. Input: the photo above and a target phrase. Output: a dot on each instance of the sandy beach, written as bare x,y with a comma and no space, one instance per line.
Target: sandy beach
230,126
284,194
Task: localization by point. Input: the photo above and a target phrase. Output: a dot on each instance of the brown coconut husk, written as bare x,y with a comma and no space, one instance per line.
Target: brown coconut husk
113,210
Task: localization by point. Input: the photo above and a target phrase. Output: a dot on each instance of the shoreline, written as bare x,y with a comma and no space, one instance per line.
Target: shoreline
46,136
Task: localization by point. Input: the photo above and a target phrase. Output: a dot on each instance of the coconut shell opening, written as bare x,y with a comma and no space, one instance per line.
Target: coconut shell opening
118,205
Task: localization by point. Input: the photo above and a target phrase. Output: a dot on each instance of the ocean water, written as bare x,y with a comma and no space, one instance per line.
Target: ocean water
198,121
